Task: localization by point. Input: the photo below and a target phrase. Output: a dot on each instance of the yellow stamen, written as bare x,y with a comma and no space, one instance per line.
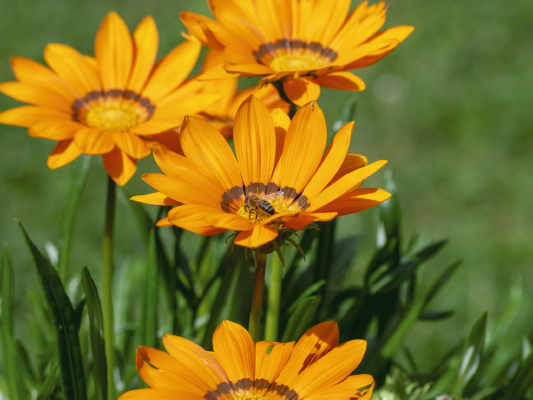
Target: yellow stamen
117,117
259,216
294,63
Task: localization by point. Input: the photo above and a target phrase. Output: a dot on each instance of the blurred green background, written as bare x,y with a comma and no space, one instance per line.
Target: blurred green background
450,109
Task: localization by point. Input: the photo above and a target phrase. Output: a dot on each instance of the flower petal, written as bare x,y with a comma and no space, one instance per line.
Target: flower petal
304,146
94,141
170,139
330,369
350,164
356,201
347,389
132,145
255,141
37,95
146,41
314,344
191,218
27,116
157,199
54,130
232,222
172,70
114,52
257,237
304,220
301,91
206,147
342,80
250,69
163,222
65,152
331,162
159,394
234,350
344,185
73,68
119,166
268,365
281,124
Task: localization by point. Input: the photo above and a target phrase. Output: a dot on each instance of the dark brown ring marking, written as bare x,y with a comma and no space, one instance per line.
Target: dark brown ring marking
78,104
267,48
225,388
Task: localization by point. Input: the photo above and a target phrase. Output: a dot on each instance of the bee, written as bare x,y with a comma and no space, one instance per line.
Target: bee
258,203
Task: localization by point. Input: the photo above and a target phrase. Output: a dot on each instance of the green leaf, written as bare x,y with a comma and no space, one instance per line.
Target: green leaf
149,296
522,381
301,318
70,358
142,219
78,180
394,388
13,381
96,328
346,115
50,382
447,274
436,315
305,294
78,314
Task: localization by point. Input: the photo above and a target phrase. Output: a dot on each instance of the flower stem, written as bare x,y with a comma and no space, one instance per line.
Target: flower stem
107,277
255,312
274,299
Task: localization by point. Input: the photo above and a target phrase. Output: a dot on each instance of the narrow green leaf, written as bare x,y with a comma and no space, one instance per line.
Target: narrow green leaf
149,296
142,219
522,381
394,388
13,382
50,382
78,314
78,180
70,358
305,294
446,275
96,329
436,315
346,115
301,318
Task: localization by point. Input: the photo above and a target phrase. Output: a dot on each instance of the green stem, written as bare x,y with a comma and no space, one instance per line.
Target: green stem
107,277
293,108
274,298
255,312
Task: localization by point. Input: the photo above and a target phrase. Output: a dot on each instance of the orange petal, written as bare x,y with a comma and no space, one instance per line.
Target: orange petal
119,166
132,145
350,58
348,388
344,185
155,126
94,141
281,124
268,365
187,189
170,139
304,146
331,369
198,361
54,130
191,218
342,80
255,141
206,147
73,68
65,152
114,52
27,116
331,162
250,69
314,344
157,199
257,237
36,95
350,164
172,70
234,350
164,222
29,71
304,220
198,26
159,394
301,91
356,201
231,222
216,73
146,41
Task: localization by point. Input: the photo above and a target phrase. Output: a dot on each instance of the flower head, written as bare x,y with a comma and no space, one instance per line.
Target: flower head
314,368
111,104
279,182
302,44
222,113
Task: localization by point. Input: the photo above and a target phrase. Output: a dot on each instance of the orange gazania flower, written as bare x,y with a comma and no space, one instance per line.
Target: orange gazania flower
302,44
315,368
281,180
110,104
222,113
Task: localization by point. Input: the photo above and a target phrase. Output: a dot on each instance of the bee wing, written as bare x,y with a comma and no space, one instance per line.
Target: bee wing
272,196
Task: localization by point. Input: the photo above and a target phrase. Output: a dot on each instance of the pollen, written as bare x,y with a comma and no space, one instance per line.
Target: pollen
119,117
259,216
294,63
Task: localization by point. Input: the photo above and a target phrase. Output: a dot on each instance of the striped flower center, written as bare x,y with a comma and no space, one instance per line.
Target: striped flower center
258,213
115,110
293,63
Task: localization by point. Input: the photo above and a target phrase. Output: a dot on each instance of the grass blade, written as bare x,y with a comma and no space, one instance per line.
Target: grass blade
8,341
142,219
68,221
96,328
301,318
70,359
